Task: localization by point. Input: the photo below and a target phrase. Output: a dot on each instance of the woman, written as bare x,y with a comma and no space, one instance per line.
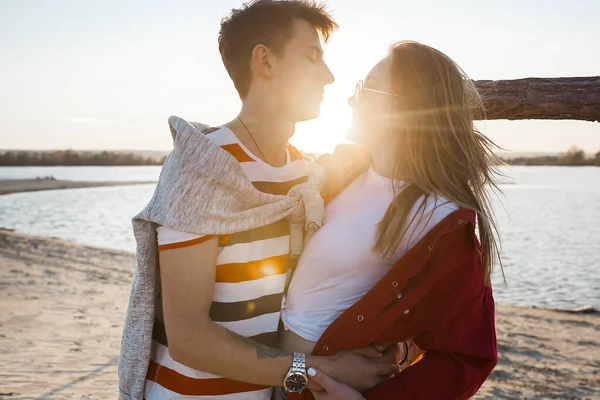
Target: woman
397,256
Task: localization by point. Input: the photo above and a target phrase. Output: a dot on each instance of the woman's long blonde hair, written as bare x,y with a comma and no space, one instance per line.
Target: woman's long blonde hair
438,150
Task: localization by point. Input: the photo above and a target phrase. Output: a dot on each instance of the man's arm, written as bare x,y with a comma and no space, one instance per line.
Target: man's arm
188,279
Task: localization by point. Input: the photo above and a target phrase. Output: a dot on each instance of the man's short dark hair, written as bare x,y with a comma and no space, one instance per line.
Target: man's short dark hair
266,22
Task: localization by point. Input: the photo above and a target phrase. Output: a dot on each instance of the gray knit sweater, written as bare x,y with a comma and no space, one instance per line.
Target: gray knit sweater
203,190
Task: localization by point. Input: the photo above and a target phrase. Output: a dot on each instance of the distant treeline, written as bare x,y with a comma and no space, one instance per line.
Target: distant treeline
74,158
573,157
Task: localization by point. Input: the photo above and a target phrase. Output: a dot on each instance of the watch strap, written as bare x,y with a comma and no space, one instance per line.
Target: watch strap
299,361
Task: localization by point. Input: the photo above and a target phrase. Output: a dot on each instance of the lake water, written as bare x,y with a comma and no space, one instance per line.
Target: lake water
549,219
88,174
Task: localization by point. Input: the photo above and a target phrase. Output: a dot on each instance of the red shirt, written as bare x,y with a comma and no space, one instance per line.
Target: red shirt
436,295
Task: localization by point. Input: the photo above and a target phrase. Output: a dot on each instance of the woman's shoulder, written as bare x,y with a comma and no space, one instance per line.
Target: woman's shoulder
433,209
440,206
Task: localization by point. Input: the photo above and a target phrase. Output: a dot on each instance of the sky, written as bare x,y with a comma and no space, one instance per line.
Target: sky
107,74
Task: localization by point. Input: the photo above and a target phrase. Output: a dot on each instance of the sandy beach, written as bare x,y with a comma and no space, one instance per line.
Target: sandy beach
63,306
8,186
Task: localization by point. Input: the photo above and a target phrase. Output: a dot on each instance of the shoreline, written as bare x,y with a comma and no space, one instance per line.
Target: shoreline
63,306
11,186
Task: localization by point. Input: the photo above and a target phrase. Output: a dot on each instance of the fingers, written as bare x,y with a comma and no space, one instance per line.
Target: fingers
383,346
393,353
334,390
387,369
382,379
368,352
313,385
376,350
325,381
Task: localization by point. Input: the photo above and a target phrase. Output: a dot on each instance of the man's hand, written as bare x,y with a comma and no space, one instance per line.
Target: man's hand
354,369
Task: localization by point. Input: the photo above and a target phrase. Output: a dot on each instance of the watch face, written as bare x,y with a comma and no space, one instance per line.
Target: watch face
295,382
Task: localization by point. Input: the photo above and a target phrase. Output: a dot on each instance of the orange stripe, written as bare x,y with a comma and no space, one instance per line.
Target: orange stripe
186,386
295,154
187,243
250,271
222,240
236,151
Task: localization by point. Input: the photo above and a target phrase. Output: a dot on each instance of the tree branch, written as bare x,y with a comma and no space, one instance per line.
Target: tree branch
542,98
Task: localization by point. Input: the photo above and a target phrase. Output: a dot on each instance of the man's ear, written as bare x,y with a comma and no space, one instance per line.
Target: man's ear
262,61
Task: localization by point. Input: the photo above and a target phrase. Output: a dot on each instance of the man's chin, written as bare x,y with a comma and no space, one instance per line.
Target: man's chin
308,114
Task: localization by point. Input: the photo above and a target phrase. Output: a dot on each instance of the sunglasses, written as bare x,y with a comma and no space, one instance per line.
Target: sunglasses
360,86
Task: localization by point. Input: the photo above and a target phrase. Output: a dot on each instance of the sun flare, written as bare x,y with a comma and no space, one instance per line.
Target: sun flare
323,134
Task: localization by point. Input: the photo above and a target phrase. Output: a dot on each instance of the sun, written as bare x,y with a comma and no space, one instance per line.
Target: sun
323,134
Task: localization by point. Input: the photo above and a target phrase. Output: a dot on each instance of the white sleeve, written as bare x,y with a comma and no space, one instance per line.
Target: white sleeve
168,236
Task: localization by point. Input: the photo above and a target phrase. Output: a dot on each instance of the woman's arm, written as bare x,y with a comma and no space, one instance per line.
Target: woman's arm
459,356
459,338
459,335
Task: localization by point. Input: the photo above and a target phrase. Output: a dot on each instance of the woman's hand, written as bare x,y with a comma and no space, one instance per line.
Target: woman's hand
356,370
332,389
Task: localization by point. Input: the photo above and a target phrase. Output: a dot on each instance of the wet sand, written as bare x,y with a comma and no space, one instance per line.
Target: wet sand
9,186
63,305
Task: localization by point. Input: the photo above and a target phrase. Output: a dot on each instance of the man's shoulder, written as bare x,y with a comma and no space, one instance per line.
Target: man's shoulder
296,154
219,134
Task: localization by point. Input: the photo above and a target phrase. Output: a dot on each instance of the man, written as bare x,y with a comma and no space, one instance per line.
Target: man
216,332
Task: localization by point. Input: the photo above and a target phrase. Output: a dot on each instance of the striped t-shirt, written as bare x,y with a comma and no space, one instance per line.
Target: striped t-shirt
251,272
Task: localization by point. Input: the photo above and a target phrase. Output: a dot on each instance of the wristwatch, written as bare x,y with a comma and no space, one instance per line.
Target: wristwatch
295,380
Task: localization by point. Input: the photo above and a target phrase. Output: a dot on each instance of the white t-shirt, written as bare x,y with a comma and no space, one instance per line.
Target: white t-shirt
338,266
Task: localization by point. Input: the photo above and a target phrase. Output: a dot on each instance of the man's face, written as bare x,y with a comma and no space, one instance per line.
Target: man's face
301,74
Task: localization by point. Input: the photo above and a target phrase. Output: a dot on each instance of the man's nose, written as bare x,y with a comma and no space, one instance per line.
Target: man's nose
329,78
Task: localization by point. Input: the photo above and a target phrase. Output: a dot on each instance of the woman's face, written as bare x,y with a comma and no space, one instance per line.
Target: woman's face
373,112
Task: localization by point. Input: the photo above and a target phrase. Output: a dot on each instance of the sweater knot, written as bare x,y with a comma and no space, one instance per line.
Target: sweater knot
306,216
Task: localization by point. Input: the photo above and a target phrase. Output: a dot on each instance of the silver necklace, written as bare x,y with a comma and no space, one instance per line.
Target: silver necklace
254,140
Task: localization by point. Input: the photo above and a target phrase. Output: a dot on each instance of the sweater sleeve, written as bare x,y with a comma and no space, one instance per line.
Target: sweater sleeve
460,345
